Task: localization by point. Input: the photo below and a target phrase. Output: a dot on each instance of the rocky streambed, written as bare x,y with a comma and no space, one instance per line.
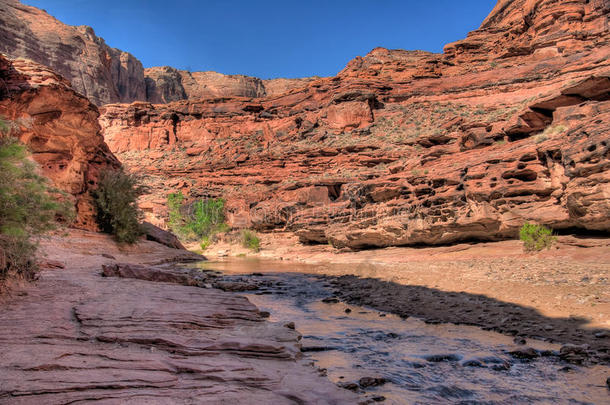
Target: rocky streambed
118,325
368,338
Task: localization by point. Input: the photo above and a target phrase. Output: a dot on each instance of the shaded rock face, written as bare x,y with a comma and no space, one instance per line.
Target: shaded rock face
404,147
102,73
60,128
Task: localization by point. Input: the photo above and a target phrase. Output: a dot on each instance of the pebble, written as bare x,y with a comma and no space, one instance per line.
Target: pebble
371,381
527,353
349,386
437,358
471,363
519,340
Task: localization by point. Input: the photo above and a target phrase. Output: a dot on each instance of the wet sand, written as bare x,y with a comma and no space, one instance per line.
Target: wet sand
561,295
571,280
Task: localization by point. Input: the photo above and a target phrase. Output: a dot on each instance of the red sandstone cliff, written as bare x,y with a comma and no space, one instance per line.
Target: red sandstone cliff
102,73
508,125
59,126
109,75
166,84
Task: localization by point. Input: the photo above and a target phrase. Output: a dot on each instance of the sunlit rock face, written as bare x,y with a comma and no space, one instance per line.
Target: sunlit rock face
165,84
108,75
59,126
102,73
406,147
403,147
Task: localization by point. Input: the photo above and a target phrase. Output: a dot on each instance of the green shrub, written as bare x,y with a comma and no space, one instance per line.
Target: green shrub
205,243
116,203
536,237
250,240
29,206
200,220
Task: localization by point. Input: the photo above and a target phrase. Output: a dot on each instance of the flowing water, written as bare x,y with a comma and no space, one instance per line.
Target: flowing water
422,363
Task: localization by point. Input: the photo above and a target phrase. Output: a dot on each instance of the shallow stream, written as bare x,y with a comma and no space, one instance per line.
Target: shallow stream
420,363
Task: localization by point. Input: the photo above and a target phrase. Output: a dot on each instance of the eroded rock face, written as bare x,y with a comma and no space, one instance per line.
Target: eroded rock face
404,147
102,73
166,84
60,128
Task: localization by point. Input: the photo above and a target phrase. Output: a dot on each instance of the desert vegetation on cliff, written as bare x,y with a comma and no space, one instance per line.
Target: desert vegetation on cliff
200,220
116,202
29,206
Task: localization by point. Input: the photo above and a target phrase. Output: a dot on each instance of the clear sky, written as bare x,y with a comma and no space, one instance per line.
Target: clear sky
269,38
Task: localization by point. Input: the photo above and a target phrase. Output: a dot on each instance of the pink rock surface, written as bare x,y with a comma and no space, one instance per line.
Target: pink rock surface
76,336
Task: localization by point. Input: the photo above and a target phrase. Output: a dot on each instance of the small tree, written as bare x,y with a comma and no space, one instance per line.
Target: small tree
29,206
536,237
116,202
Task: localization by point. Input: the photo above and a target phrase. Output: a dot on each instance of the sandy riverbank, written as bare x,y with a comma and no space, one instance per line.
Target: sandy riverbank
570,280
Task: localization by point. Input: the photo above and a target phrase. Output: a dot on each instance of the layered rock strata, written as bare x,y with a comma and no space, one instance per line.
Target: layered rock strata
60,127
109,75
166,84
404,147
101,73
76,336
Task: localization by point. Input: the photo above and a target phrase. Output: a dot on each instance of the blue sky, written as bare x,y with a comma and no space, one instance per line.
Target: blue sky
272,38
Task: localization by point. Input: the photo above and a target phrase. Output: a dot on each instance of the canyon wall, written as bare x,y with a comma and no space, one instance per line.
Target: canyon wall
102,73
108,75
403,147
60,127
166,84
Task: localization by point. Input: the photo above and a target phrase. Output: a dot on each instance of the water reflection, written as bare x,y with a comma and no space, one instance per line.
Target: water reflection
421,363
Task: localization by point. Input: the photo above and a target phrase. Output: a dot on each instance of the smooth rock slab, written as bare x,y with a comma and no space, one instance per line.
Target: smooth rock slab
78,337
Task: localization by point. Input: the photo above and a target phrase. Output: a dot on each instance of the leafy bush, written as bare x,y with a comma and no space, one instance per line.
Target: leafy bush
250,240
29,206
116,203
205,243
536,237
200,220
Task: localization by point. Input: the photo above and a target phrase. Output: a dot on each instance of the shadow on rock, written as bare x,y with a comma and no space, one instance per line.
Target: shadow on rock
581,345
